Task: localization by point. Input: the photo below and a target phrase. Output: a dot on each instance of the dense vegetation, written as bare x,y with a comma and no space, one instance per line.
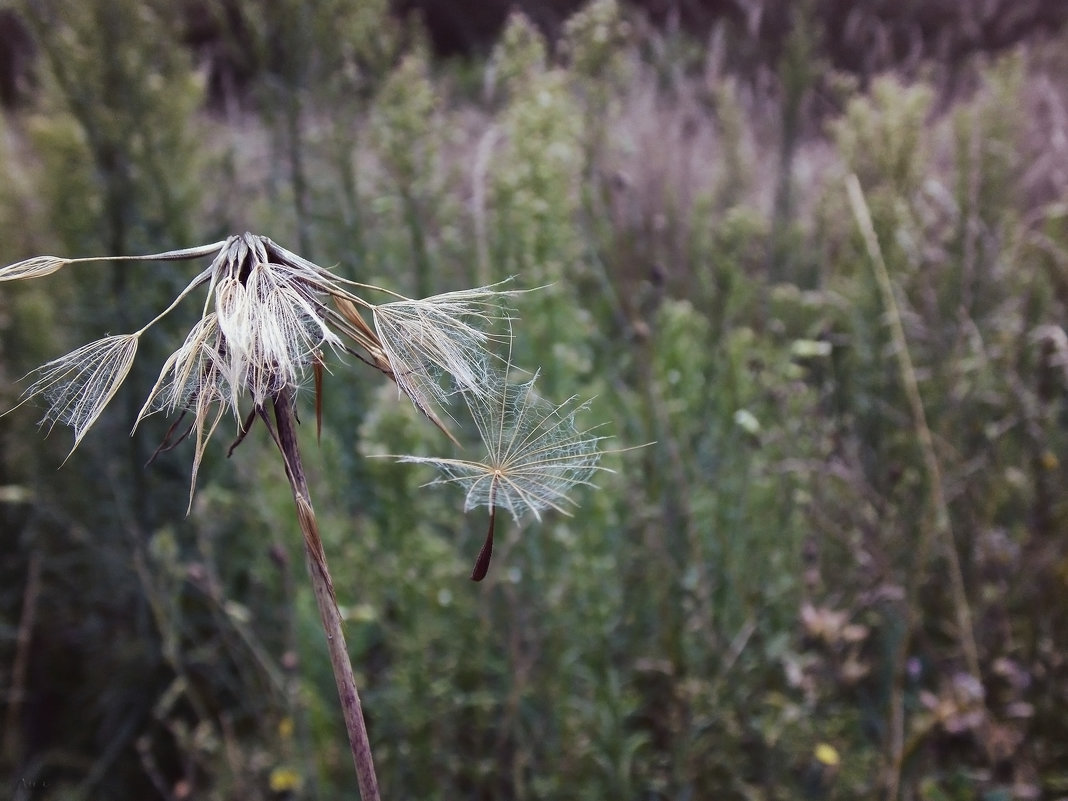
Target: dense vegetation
839,571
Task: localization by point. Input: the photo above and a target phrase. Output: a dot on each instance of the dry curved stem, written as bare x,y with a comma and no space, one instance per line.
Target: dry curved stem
286,439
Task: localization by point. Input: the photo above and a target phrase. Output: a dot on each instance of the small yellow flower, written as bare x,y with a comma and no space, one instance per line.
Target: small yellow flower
284,780
285,728
828,755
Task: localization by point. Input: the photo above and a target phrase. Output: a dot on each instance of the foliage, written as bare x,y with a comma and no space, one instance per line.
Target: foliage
744,609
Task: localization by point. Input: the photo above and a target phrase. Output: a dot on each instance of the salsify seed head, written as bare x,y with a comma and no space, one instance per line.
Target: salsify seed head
534,452
441,345
268,316
78,386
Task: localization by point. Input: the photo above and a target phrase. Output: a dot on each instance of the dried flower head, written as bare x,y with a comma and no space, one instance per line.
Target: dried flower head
444,337
270,317
535,454
267,319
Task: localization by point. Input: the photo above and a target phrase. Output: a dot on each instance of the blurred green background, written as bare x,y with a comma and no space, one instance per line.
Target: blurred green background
804,588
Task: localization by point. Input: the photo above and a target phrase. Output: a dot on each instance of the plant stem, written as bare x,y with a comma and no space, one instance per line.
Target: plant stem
326,600
942,526
11,751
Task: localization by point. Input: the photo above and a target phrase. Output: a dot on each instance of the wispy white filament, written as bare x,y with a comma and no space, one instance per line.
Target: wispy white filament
79,385
441,337
535,454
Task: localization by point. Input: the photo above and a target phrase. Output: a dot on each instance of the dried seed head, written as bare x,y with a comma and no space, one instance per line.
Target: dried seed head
79,385
37,267
535,453
268,316
440,345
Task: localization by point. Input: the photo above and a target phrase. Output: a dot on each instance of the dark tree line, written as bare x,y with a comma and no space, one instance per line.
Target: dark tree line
863,39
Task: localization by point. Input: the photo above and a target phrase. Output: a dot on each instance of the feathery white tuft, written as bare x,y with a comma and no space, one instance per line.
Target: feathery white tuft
535,453
439,345
79,385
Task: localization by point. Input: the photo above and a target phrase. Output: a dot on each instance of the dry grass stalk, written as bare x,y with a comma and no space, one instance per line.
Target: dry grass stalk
941,526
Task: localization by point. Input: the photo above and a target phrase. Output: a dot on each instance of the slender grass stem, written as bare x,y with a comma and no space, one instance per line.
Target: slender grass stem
942,526
325,599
